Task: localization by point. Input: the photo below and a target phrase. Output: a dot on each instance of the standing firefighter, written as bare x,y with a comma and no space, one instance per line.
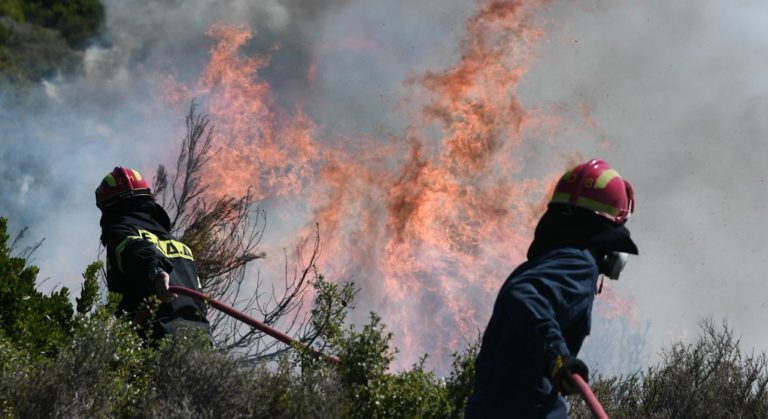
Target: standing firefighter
143,258
543,311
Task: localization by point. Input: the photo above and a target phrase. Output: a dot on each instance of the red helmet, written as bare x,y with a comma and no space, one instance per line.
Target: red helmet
596,187
119,184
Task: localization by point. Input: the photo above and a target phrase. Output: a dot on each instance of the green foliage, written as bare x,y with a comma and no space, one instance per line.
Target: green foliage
461,381
94,365
373,392
189,380
14,365
107,370
414,393
30,52
101,372
329,312
12,9
366,354
55,363
41,38
33,321
76,20
89,293
709,378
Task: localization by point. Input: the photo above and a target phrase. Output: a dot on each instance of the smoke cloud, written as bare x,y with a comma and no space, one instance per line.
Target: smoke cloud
672,96
679,94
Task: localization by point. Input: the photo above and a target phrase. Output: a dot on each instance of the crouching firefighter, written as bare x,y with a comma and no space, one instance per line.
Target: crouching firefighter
543,311
143,258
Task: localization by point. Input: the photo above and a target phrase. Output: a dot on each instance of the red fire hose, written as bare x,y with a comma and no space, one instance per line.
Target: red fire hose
589,397
282,337
586,393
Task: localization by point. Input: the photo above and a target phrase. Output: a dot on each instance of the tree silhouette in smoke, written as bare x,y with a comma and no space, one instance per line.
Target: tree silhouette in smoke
224,234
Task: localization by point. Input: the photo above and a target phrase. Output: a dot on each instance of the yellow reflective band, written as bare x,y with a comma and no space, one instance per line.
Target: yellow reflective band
137,175
120,248
110,180
604,178
561,197
557,364
169,248
597,206
146,235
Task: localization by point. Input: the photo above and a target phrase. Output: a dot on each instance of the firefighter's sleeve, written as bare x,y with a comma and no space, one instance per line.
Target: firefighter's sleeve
136,257
529,307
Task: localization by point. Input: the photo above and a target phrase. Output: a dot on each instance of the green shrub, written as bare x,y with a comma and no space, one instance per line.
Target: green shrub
461,381
373,392
12,9
35,322
191,380
102,372
56,361
89,292
76,20
43,38
709,378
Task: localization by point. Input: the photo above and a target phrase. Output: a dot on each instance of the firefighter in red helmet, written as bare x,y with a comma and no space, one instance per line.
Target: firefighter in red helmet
143,258
543,311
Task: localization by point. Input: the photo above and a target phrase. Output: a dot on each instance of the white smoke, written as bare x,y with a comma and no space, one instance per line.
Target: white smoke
676,96
679,92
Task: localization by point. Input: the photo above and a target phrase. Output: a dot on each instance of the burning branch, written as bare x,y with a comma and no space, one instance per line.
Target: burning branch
224,234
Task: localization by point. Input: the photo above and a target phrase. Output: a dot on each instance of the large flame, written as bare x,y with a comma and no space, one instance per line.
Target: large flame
428,223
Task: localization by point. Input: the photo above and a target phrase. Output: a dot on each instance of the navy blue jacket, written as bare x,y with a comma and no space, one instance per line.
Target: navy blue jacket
543,310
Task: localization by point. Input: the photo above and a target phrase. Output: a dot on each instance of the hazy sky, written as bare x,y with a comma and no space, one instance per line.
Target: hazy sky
672,94
679,91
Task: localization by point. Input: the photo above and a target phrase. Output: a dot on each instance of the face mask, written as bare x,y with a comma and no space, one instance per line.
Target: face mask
614,263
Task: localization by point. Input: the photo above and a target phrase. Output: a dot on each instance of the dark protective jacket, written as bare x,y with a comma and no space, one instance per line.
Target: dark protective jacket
136,235
543,310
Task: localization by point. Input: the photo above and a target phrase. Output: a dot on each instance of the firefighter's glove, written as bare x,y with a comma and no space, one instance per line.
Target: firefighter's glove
560,371
162,282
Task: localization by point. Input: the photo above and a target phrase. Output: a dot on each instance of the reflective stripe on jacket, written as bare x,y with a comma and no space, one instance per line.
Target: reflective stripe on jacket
138,242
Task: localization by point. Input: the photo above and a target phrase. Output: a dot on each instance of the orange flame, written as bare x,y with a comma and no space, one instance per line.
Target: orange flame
262,151
428,225
611,305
